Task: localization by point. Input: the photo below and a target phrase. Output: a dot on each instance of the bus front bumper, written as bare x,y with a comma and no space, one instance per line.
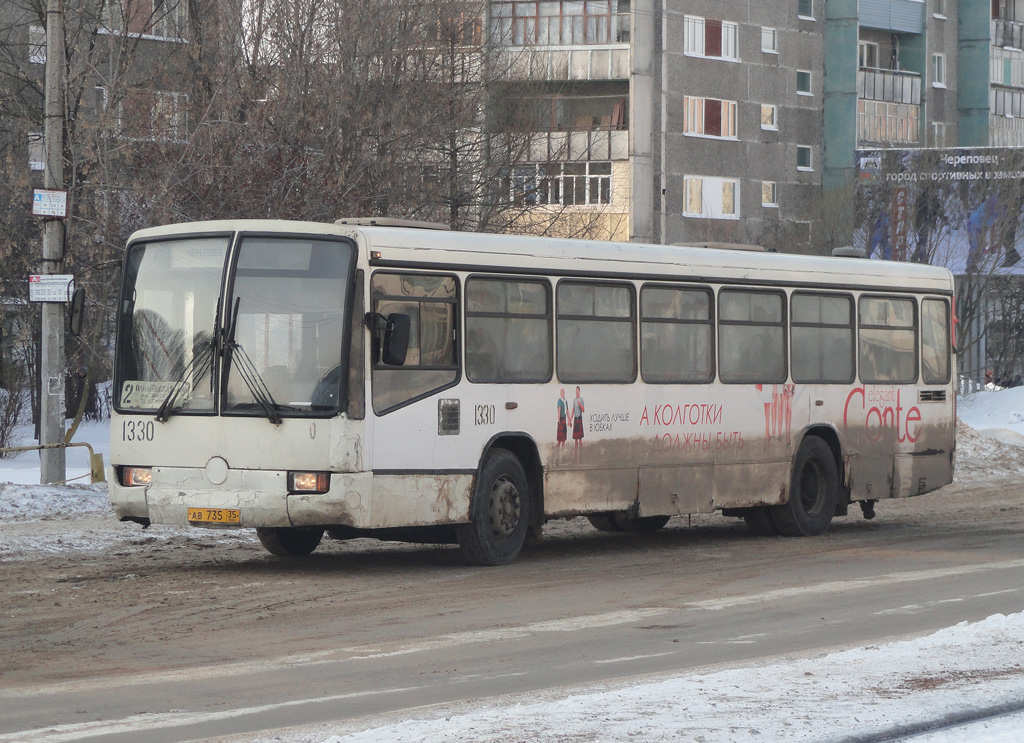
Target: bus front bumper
260,498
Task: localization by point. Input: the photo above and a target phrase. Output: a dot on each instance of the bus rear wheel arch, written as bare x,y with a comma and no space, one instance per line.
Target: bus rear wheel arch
284,541
813,492
499,512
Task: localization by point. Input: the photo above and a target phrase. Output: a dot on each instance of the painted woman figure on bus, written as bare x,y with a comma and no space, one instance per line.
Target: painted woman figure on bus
563,414
577,422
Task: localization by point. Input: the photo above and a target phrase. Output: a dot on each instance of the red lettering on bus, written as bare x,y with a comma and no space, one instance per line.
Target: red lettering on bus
890,416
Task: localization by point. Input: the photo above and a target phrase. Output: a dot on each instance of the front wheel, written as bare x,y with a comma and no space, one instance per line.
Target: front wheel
499,514
284,541
813,492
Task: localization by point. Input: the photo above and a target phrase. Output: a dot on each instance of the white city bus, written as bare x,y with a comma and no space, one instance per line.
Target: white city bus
382,380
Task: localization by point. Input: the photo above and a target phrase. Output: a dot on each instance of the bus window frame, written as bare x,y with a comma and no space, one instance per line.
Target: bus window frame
915,329
855,335
549,316
632,319
375,364
229,298
711,323
947,337
118,382
783,323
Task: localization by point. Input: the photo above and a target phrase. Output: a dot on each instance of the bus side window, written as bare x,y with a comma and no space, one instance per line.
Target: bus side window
508,330
356,376
596,332
431,364
822,338
675,334
935,337
887,340
751,336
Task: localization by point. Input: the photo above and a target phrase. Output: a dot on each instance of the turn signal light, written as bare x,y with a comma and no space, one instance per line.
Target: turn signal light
308,482
136,476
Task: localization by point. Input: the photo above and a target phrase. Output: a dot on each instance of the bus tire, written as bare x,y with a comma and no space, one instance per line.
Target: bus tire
813,492
759,521
604,521
639,524
499,513
285,541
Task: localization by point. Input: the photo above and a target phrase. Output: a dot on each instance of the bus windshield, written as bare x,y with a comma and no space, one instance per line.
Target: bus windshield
288,301
285,317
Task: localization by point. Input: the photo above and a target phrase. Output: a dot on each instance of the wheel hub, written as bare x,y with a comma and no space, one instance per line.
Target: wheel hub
504,507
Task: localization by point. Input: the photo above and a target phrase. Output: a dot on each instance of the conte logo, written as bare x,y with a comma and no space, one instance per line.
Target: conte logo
879,409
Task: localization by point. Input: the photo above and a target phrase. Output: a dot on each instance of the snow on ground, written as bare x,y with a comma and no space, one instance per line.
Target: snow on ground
871,693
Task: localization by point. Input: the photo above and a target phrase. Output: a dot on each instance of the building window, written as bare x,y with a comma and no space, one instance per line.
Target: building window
938,70
37,45
709,117
938,134
566,184
769,193
553,23
711,198
154,115
803,82
769,40
939,8
805,9
706,37
162,19
36,151
867,54
803,158
769,117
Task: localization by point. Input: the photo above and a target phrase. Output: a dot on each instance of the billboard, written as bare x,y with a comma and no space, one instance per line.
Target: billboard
962,208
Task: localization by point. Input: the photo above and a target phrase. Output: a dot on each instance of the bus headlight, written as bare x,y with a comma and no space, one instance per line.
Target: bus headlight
136,476
309,482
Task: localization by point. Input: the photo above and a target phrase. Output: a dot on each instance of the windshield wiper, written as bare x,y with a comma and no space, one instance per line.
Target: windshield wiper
166,409
247,371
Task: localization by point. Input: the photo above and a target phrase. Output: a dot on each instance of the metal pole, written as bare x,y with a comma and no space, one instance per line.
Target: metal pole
52,461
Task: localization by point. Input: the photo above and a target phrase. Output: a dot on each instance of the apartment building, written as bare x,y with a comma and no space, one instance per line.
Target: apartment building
694,120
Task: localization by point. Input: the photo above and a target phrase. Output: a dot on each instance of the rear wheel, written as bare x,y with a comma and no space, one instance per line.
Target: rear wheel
813,492
499,514
286,541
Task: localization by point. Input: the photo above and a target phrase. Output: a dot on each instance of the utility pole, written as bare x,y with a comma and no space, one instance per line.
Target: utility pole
52,462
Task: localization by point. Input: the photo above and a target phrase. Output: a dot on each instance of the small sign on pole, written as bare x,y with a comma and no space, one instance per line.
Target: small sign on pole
49,202
55,287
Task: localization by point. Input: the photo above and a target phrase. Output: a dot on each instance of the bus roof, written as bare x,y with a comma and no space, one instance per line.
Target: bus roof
446,250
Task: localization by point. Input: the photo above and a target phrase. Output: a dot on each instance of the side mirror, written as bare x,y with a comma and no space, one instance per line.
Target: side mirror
77,311
391,337
396,339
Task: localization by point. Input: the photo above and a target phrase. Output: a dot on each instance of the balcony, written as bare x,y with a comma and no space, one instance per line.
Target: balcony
1008,34
892,86
578,146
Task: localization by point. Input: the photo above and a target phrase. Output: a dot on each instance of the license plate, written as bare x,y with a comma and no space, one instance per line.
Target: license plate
215,515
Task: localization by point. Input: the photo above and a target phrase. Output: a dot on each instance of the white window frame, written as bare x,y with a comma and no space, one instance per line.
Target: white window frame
938,134
36,45
939,9
694,35
772,199
694,118
810,158
774,125
938,70
867,52
810,83
769,40
803,16
713,195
